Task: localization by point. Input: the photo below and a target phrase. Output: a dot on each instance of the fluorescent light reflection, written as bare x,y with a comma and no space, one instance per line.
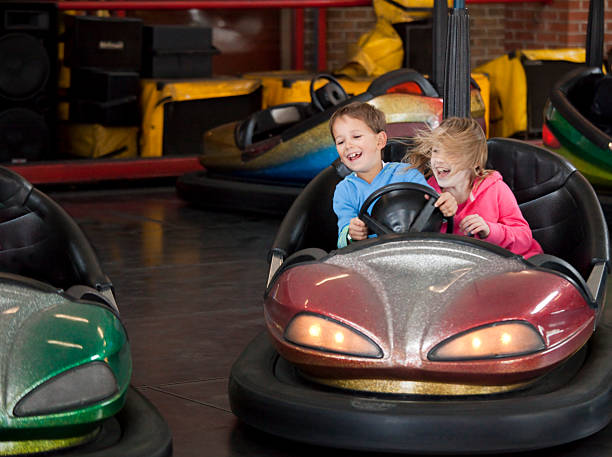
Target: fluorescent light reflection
72,318
332,278
65,344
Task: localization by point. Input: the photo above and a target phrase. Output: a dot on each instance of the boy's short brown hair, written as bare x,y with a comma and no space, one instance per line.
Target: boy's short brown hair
370,115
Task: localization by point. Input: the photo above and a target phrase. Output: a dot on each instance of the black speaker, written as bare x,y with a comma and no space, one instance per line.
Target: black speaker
110,43
103,85
417,39
28,80
177,51
185,122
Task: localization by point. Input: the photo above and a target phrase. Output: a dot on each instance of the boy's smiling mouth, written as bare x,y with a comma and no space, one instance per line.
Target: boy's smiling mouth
353,156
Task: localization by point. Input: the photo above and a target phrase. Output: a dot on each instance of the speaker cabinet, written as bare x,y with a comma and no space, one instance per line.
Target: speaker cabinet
175,51
541,75
109,43
185,122
28,80
417,39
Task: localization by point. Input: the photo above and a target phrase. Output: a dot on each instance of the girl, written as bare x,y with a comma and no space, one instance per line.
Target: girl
454,156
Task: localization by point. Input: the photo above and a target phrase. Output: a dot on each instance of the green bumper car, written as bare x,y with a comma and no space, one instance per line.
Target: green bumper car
65,363
578,123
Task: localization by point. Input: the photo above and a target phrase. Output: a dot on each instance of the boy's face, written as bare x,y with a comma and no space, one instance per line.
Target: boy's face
358,146
447,170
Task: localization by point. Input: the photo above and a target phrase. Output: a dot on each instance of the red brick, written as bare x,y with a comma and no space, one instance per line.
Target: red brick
578,16
548,37
575,40
353,36
578,5
516,25
361,13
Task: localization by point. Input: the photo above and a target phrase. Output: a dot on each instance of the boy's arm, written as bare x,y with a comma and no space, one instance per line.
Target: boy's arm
345,207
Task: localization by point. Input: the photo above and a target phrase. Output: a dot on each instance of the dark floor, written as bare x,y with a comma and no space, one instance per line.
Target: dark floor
189,285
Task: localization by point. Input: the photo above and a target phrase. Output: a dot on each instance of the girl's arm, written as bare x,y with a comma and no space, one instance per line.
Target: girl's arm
511,231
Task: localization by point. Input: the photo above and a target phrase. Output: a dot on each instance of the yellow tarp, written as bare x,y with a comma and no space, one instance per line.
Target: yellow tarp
98,141
381,50
155,94
508,98
377,52
391,12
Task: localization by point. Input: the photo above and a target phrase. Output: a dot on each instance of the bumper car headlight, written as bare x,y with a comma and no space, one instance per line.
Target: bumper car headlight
502,339
325,334
72,389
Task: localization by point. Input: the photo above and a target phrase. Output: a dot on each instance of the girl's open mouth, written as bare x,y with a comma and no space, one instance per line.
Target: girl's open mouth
353,156
442,172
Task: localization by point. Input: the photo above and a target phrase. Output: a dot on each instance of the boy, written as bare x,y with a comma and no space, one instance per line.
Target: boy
358,129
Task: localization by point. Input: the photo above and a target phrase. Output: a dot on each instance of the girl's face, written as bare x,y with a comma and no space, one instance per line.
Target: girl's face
448,171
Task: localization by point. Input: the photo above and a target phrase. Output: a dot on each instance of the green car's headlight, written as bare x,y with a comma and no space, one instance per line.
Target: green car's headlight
501,339
325,334
72,389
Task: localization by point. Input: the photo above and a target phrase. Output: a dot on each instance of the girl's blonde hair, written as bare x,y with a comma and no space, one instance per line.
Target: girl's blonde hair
461,138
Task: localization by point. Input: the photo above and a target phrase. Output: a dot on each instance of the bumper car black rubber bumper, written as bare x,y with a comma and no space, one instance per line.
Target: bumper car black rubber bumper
265,396
208,191
137,430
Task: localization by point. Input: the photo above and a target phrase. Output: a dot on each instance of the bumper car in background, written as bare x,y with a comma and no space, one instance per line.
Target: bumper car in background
578,123
264,161
479,349
578,113
65,359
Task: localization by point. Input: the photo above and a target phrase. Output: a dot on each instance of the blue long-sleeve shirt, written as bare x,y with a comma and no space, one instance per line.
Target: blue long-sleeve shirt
352,191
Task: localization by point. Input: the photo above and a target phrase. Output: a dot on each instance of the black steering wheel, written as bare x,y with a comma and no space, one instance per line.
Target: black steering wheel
331,94
401,207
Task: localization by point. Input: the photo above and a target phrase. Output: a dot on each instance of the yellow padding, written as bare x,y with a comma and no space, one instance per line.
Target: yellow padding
485,92
577,55
508,96
294,86
156,93
98,141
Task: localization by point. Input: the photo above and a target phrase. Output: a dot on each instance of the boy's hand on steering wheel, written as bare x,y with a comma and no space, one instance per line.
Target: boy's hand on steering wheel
358,230
447,204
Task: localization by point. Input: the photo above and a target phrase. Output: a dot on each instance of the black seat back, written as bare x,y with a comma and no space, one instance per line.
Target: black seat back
40,241
557,201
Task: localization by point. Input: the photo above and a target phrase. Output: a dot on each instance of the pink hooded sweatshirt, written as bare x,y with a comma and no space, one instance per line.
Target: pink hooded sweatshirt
493,200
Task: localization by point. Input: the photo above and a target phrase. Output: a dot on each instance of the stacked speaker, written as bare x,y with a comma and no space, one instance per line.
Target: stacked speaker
177,51
28,80
104,56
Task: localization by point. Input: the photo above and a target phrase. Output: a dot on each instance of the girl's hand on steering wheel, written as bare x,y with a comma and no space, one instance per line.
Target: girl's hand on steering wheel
447,204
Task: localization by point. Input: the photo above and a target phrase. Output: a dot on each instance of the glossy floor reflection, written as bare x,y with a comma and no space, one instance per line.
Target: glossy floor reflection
189,285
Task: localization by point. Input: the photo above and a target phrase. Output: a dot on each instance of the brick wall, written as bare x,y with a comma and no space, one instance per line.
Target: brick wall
495,28
344,27
487,32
